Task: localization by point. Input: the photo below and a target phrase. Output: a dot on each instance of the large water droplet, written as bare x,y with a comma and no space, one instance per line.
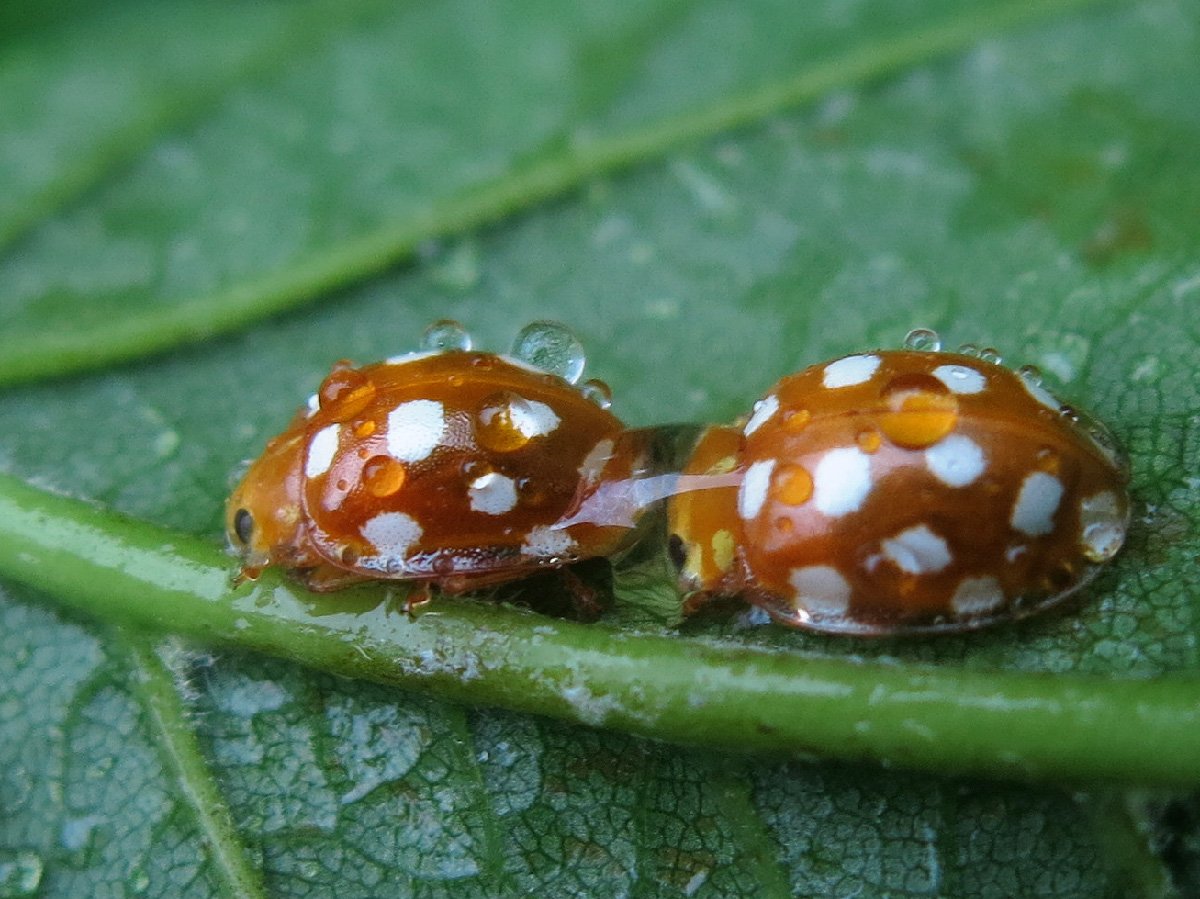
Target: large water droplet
20,873
507,421
923,339
1103,522
345,392
446,335
382,476
921,411
552,347
969,349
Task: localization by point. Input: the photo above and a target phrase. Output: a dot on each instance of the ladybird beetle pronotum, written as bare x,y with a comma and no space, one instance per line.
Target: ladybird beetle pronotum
902,491
447,467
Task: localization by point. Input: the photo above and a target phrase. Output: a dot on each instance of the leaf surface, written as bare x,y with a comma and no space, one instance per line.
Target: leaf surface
1032,188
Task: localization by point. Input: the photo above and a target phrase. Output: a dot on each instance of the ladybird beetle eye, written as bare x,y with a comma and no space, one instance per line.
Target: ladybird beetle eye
243,525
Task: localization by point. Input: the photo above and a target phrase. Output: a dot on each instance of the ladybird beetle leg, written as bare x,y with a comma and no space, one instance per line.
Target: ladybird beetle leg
419,595
587,602
326,578
698,601
243,575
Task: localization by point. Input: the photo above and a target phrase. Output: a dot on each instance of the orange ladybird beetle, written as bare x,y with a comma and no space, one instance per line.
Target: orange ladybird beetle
446,467
905,491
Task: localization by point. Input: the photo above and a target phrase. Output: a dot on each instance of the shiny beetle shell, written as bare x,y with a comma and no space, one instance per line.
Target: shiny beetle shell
902,492
458,468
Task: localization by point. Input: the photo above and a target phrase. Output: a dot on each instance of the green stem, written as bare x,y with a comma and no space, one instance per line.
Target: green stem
177,742
170,324
1001,723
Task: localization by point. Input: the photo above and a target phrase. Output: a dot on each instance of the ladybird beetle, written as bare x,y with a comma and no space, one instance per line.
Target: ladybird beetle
903,491
447,467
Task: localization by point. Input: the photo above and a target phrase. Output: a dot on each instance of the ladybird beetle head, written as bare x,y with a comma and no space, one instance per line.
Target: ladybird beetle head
262,516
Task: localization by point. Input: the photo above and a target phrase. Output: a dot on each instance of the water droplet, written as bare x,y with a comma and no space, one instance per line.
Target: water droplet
383,475
797,420
992,355
969,349
445,335
1049,460
1100,437
598,392
507,421
794,485
921,411
552,347
349,556
533,493
923,339
869,441
20,873
345,392
1103,522
1031,375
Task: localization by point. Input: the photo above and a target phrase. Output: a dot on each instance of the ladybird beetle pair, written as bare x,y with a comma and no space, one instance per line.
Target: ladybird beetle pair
890,492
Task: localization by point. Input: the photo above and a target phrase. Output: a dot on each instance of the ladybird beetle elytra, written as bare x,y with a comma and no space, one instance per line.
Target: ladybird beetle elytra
445,466
901,491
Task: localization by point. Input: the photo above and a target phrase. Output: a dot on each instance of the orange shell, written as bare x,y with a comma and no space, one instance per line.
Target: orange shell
901,492
461,468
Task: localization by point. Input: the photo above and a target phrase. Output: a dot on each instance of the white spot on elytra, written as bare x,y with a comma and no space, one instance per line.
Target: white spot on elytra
593,463
546,543
841,481
849,371
956,461
392,533
763,410
492,493
406,358
977,595
1033,513
533,419
917,550
821,590
415,429
960,378
321,450
752,492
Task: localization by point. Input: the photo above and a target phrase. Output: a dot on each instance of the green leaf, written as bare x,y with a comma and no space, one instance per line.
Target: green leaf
171,171
401,126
